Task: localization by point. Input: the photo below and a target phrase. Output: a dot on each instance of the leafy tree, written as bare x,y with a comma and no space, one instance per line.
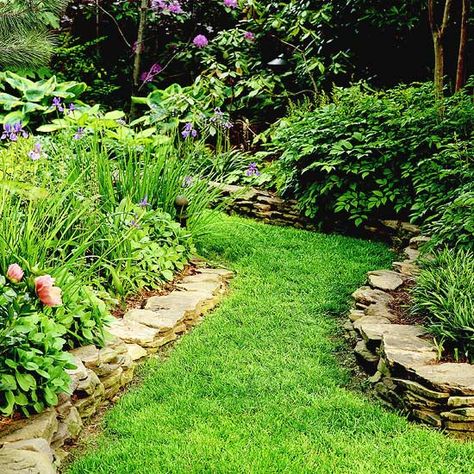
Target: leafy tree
25,40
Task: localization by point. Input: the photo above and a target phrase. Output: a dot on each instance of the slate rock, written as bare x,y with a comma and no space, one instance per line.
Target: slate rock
456,378
368,296
43,426
14,461
385,280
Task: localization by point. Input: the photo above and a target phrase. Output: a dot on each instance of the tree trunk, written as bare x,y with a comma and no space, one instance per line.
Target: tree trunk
438,32
137,63
439,64
461,66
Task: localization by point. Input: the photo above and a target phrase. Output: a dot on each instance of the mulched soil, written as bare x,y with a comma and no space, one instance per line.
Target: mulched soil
400,306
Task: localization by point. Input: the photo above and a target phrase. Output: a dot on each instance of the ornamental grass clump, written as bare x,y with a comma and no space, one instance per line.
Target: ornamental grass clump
444,294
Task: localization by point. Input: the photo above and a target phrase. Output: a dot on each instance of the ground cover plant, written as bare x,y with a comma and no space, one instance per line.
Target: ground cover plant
257,387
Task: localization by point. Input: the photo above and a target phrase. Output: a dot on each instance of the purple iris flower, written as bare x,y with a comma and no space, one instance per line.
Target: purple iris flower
57,104
12,132
35,154
189,131
79,133
252,170
144,202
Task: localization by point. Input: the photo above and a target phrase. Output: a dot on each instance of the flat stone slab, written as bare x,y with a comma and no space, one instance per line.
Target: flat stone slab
136,352
14,461
411,253
380,310
134,333
419,241
42,426
404,349
461,401
163,320
365,354
457,379
407,268
422,390
367,296
371,329
386,280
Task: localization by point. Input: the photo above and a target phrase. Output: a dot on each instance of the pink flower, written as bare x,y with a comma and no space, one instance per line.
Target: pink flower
200,41
15,273
48,294
248,35
231,3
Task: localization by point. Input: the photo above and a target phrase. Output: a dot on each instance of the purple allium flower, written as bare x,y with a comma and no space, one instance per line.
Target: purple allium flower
79,134
231,3
72,107
171,6
134,223
35,154
148,76
252,170
249,36
188,181
57,103
189,131
200,41
144,202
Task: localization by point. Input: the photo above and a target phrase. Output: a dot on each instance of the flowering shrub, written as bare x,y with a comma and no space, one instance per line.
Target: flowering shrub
32,360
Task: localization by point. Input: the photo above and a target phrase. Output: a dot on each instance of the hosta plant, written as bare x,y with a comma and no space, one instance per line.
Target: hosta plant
32,360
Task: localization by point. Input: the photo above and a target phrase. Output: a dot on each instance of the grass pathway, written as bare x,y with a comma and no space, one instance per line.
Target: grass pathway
257,387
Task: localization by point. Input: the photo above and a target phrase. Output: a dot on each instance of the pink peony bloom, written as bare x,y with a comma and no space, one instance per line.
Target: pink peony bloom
200,41
15,273
48,294
231,3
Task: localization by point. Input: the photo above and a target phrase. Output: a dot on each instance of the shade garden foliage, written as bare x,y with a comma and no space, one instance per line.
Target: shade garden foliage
108,154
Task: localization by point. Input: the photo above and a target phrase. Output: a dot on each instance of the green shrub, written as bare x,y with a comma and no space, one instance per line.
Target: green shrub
358,157
32,360
444,202
444,293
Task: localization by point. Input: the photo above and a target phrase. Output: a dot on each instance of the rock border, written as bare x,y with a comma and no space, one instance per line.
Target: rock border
402,360
34,445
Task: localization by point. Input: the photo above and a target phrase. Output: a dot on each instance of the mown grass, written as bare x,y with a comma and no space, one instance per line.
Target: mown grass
257,387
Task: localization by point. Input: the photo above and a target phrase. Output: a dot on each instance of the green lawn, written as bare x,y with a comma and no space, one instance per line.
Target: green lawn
257,387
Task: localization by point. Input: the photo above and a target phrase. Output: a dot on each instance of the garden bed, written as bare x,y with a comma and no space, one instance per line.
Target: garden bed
36,444
403,362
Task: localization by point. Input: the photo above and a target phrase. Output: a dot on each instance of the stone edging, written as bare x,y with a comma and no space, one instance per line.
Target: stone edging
402,359
34,445
263,205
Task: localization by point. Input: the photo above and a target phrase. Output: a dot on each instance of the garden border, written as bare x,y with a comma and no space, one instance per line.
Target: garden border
402,360
34,445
